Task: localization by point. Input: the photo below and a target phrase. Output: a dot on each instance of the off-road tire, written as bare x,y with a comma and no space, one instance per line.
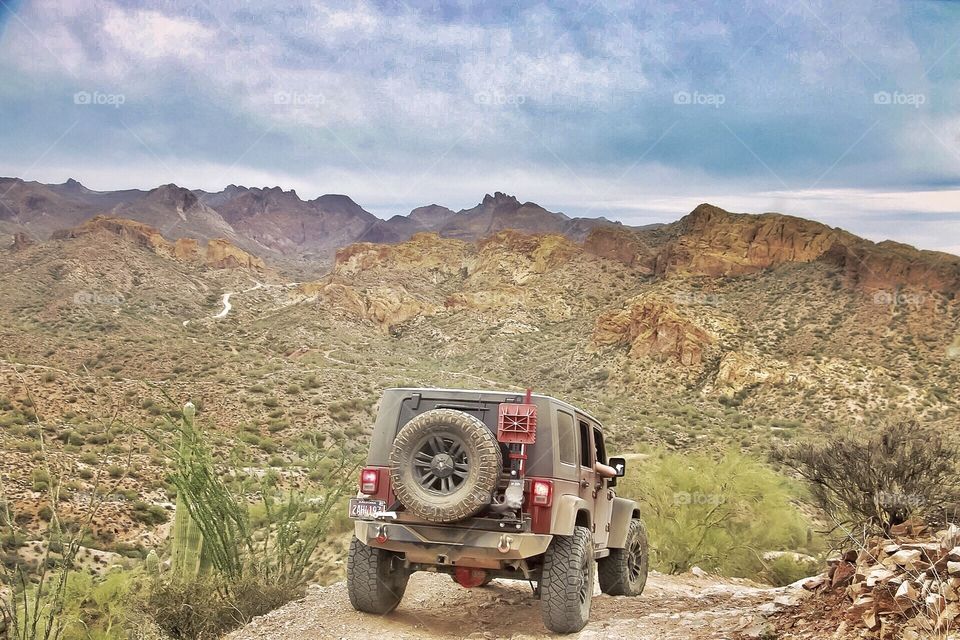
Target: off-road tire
484,462
375,580
566,586
624,571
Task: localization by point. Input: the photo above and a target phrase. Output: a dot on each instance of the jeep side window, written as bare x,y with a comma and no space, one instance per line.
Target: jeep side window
598,440
567,438
586,457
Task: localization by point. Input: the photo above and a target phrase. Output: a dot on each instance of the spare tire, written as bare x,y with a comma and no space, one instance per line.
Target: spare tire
444,465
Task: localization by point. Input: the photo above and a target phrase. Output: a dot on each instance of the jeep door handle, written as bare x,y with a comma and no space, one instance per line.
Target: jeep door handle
584,484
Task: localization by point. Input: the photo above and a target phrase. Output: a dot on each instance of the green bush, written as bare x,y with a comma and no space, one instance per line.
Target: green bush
41,480
720,513
149,514
787,570
87,608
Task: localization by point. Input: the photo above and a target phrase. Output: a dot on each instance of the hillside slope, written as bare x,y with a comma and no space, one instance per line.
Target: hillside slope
771,338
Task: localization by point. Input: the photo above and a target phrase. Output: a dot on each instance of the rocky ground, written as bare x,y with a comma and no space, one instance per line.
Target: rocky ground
672,607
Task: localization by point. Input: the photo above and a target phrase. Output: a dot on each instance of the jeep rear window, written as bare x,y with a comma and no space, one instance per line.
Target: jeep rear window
414,406
567,438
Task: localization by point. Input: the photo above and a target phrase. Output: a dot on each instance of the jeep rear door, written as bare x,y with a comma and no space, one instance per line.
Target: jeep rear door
593,487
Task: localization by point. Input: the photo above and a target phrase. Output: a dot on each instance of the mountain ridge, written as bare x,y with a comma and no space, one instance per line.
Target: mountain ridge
279,226
270,221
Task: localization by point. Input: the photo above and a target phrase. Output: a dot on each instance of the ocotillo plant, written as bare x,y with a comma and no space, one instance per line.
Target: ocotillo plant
187,547
211,525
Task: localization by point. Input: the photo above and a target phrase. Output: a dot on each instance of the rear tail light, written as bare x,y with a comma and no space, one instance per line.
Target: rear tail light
541,493
369,481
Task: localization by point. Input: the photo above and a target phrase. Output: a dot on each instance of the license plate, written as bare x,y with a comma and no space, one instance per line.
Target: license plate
365,509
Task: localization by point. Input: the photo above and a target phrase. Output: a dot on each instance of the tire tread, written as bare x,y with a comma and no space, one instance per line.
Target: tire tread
370,590
613,570
559,595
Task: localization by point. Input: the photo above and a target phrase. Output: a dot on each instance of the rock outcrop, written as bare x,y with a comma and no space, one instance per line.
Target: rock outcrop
738,370
652,327
623,245
384,306
891,266
518,257
216,253
222,254
21,241
714,242
423,252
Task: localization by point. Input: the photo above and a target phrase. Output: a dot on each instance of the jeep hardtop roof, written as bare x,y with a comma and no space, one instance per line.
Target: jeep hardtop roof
484,396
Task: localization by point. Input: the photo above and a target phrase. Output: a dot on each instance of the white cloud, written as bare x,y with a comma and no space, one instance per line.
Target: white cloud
152,35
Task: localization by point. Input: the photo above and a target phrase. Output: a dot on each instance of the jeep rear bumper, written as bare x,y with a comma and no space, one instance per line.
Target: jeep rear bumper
450,545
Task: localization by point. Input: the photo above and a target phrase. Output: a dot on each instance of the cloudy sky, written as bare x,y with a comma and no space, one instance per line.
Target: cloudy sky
845,112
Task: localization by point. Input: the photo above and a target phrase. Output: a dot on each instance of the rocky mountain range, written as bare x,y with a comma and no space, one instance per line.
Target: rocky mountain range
270,222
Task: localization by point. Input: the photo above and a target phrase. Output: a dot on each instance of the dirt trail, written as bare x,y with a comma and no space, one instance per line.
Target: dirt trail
671,608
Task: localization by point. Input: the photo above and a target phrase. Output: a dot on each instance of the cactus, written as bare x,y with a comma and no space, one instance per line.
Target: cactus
187,546
152,563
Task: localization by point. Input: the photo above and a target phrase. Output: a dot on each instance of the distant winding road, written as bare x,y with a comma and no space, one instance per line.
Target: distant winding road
225,301
226,306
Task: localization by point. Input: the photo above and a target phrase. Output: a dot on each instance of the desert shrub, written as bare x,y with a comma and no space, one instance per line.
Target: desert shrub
719,513
207,607
877,481
40,480
28,446
268,445
87,607
150,514
787,569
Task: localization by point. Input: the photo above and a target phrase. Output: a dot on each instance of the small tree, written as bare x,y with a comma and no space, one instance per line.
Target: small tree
718,512
878,481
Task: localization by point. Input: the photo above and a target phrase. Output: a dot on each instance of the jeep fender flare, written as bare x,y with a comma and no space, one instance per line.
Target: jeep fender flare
623,512
569,512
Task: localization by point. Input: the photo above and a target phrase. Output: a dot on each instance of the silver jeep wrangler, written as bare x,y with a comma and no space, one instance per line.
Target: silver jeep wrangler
492,484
